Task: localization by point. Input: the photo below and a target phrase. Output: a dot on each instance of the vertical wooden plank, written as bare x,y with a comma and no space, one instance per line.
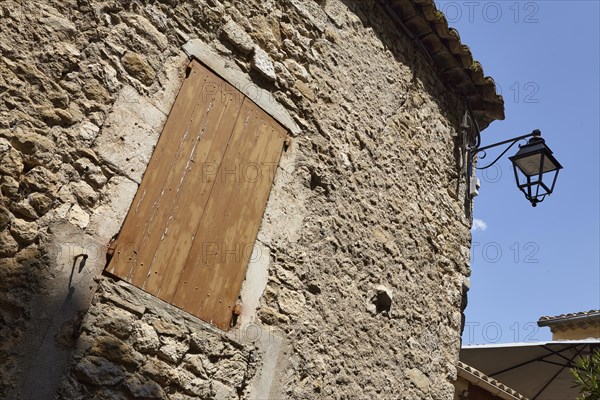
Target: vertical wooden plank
246,217
128,243
157,226
171,254
217,263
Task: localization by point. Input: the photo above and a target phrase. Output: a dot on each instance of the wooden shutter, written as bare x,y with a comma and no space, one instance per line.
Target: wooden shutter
189,234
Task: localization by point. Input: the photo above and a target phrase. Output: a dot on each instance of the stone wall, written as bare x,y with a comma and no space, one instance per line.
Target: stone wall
132,345
365,237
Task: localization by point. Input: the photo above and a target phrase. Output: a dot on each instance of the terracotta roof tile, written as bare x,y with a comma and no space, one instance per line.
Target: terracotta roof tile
578,318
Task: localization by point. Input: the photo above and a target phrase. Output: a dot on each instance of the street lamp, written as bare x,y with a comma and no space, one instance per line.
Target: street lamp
535,167
532,163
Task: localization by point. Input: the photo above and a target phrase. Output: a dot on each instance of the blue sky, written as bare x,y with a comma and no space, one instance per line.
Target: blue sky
529,262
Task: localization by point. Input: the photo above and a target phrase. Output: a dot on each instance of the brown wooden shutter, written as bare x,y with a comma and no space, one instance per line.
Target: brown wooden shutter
189,234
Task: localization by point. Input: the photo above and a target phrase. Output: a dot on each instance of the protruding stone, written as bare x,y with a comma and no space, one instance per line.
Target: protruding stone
9,187
172,350
297,70
40,202
167,329
305,90
291,302
232,370
24,232
145,338
88,131
270,316
95,91
84,193
118,322
201,342
98,371
192,385
237,36
136,309
91,172
8,245
78,217
4,218
262,63
37,148
419,379
137,66
23,209
143,388
195,364
39,179
158,370
11,162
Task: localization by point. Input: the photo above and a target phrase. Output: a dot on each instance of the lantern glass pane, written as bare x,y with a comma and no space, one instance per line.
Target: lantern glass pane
549,165
530,165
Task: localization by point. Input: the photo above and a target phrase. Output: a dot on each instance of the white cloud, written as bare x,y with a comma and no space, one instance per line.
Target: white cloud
479,225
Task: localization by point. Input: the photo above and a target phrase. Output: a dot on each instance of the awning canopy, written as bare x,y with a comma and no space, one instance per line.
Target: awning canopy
540,371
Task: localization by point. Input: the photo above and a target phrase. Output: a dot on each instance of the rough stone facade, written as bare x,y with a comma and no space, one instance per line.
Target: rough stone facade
132,346
365,241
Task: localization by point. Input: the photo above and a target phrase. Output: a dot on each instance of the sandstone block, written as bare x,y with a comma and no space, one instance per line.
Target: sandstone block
145,338
8,245
305,90
98,371
11,162
95,91
78,217
297,70
124,304
39,148
172,350
23,209
136,65
419,379
237,36
192,385
167,329
195,364
158,370
24,232
290,302
231,370
263,64
270,316
85,194
9,187
40,202
117,321
5,218
39,179
206,343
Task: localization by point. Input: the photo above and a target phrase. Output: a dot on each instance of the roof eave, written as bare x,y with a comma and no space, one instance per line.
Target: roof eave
452,58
